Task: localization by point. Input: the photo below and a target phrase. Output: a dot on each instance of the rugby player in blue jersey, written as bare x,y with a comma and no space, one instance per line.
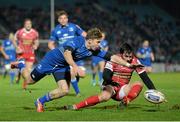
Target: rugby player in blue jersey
9,53
146,56
62,33
59,60
98,63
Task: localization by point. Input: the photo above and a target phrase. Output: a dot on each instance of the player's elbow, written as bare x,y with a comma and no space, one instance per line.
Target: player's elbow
51,45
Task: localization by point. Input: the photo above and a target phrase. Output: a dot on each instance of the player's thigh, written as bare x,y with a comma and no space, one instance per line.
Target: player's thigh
107,93
63,85
35,76
64,75
126,88
101,65
29,65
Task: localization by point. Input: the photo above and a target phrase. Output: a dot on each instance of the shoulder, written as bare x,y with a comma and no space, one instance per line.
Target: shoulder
74,25
79,39
21,30
135,60
34,31
71,24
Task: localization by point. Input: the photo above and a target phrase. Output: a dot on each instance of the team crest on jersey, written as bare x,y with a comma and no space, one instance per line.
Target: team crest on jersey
71,29
58,32
24,34
8,43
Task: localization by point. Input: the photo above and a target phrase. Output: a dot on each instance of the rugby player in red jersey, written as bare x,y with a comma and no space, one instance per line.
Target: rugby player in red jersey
116,82
26,42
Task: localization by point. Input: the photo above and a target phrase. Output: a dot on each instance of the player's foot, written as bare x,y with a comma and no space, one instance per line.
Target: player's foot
39,106
124,103
18,64
69,107
93,82
78,95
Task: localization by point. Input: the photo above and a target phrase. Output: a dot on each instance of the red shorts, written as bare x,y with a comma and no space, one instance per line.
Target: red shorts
116,91
29,57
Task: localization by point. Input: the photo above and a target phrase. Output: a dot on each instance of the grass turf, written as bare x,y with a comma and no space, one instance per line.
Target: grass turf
17,104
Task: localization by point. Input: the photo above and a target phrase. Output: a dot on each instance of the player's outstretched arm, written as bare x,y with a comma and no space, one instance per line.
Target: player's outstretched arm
147,81
119,60
69,59
36,44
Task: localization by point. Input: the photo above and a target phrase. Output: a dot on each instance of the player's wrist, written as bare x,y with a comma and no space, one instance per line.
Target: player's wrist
127,64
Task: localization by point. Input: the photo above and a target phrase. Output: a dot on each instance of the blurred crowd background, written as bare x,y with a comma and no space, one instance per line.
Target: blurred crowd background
129,21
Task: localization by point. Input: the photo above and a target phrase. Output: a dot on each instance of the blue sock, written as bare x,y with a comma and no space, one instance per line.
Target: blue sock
45,98
12,76
100,77
74,84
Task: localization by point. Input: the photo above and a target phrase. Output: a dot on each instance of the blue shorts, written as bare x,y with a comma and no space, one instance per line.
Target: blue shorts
80,63
96,60
59,73
146,62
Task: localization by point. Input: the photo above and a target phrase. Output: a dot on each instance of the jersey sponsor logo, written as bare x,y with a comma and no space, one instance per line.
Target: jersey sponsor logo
66,34
71,29
27,42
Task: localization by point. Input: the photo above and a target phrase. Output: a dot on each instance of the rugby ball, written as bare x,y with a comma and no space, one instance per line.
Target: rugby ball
154,96
81,71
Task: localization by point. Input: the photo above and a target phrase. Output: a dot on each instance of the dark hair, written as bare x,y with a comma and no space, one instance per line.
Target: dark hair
125,47
94,33
60,13
27,19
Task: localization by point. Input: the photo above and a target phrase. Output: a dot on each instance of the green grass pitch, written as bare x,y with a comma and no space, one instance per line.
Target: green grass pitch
17,104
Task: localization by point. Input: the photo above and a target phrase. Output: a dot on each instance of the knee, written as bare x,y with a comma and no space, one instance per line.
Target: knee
64,91
104,97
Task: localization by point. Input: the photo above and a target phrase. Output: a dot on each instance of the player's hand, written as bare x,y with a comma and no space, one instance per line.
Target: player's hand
6,57
19,50
34,47
134,66
75,69
81,72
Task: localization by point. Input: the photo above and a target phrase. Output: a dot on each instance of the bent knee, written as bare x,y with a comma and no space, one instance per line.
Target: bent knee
104,97
65,91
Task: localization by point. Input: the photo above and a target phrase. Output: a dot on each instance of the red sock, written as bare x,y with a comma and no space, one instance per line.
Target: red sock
90,101
134,92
